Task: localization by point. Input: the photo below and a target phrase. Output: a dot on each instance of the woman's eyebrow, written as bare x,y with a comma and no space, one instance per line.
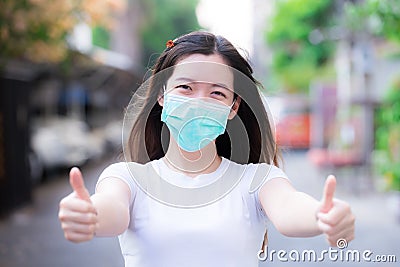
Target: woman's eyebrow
189,80
184,79
222,85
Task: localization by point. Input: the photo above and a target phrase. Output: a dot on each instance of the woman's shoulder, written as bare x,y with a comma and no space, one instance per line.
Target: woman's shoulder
254,175
122,169
255,167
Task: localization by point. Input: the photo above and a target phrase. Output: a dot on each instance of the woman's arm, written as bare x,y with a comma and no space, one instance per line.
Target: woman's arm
297,214
106,213
111,201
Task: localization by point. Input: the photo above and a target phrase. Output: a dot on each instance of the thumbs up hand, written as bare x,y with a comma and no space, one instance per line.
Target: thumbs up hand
77,214
335,218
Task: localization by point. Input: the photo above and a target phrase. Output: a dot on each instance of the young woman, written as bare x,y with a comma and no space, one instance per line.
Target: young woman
202,174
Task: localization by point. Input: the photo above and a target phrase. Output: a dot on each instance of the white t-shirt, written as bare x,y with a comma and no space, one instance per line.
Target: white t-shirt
228,232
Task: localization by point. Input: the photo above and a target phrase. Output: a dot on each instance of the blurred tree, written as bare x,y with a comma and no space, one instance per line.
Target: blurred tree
382,17
298,36
101,37
165,20
37,29
388,137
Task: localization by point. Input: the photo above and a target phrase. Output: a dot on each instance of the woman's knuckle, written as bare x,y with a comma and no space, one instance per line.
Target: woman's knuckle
346,207
88,207
62,216
68,236
62,203
64,226
92,217
330,231
332,240
353,219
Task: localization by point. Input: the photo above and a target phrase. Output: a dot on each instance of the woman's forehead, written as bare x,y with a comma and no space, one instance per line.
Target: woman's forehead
203,68
213,58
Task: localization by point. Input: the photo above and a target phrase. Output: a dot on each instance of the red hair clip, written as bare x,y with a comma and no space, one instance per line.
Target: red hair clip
170,44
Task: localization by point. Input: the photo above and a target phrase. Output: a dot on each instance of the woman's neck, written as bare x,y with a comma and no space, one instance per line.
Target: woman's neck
192,164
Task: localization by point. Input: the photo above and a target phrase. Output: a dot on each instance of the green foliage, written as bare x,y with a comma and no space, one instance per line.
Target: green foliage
297,60
165,20
101,37
382,16
37,29
388,137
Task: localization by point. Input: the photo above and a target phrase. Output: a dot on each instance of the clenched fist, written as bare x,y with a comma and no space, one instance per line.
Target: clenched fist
335,218
77,213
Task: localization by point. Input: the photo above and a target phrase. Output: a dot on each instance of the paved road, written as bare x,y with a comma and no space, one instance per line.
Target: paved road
32,235
376,227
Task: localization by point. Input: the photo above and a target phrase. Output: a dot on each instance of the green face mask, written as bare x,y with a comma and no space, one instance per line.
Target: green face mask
194,122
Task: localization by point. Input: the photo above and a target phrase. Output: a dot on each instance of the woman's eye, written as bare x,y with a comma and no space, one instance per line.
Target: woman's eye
220,94
183,86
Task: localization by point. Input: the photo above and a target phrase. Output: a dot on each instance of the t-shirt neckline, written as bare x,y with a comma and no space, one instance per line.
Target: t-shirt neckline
180,179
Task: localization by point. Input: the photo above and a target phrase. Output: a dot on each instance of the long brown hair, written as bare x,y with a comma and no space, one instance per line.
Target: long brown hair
148,136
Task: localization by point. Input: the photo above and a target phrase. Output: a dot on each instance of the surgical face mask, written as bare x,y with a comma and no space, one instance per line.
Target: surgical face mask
194,122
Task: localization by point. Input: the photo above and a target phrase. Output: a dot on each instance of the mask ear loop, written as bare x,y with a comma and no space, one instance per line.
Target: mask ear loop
233,103
162,95
164,91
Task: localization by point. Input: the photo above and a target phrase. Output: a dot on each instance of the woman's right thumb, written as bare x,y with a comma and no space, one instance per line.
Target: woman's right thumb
78,185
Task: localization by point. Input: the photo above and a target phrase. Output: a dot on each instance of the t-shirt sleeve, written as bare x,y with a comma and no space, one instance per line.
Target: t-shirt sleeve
273,172
120,171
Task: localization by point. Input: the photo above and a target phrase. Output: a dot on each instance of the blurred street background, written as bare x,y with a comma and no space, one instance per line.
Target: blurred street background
331,76
32,236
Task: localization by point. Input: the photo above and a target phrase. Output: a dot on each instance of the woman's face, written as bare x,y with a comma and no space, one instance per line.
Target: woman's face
202,76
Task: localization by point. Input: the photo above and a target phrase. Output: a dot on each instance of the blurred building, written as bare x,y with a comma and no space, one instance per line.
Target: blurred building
16,85
46,108
262,56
